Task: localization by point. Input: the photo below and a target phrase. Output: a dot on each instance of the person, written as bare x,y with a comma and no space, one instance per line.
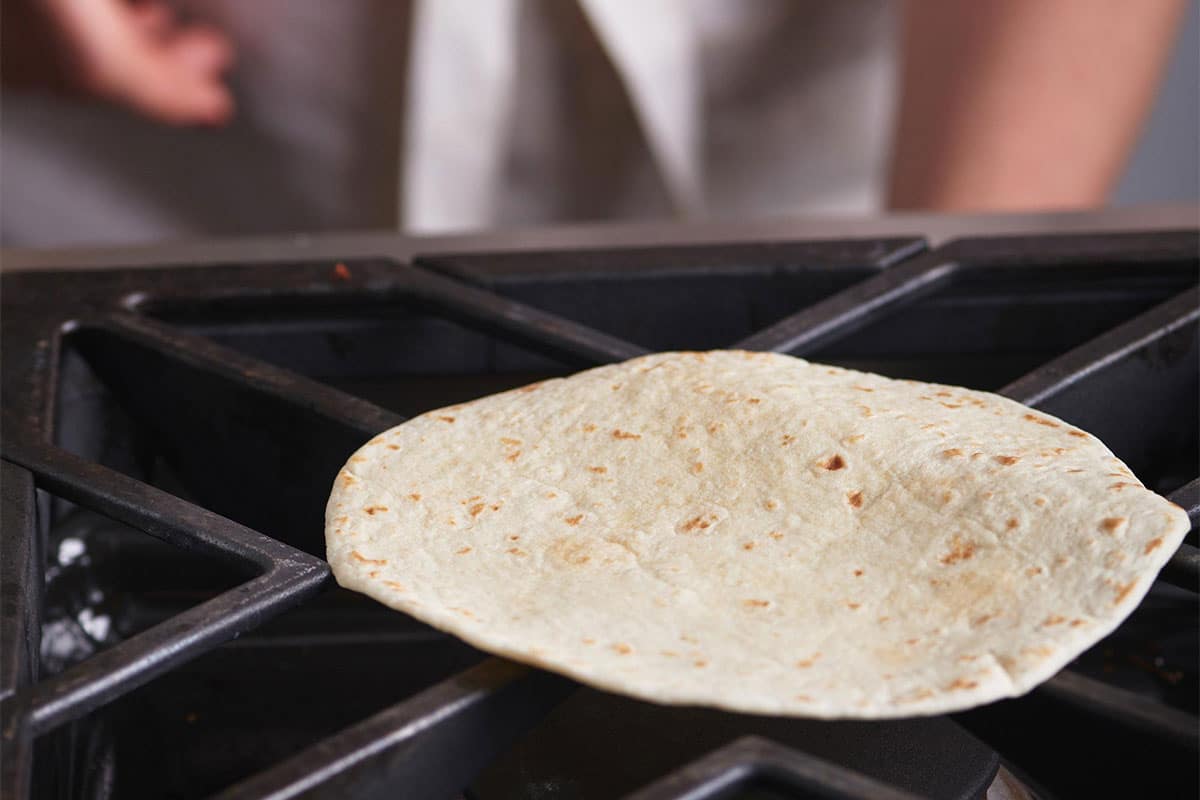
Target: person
218,116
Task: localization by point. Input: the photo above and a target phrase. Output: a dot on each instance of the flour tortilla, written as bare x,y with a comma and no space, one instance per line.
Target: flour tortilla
755,532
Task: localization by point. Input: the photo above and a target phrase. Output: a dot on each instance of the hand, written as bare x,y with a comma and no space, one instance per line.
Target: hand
136,55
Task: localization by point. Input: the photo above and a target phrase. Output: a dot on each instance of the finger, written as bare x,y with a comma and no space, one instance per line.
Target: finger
201,51
183,100
152,18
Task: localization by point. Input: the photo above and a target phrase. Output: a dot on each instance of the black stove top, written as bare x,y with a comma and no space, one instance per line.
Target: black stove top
211,407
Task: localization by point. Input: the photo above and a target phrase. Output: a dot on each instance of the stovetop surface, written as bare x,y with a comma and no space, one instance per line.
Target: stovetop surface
189,381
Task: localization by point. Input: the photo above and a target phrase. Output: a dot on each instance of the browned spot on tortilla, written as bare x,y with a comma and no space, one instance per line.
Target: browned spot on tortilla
833,463
399,587
516,551
616,386
348,479
373,573
753,400
962,683
447,419
551,495
953,452
947,497
882,620
1041,651
373,510
702,522
912,641
1012,523
1112,524
983,620
510,442
341,520
776,535
622,648
756,603
533,387
469,615
393,447
477,509
1120,486
951,405
516,537
1032,571
803,698
1152,545
513,456
598,470
496,506
915,696
360,459
771,505
748,546
588,640
967,658
1073,471
588,427
1078,434
858,437
805,663
1123,590
1039,501
1041,421
620,434
669,653
697,467
866,411
852,605
858,573
1007,461
463,551
575,520
700,663
787,439
1053,619
855,499
864,388
360,557
1075,623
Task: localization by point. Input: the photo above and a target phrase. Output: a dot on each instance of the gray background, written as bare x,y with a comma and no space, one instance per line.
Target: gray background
1165,166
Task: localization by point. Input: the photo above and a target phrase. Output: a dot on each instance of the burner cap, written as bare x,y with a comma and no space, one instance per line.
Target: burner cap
597,745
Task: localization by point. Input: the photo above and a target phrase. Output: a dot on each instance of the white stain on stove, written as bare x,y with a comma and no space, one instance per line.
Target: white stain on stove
96,625
69,550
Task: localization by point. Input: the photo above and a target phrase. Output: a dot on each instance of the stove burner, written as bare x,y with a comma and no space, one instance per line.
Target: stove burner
210,408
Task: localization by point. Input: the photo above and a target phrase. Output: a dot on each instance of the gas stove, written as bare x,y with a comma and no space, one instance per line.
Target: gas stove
170,628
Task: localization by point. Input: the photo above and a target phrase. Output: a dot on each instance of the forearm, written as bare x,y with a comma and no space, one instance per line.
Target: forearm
1023,104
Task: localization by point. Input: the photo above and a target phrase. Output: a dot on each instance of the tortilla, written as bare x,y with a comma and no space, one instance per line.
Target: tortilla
755,532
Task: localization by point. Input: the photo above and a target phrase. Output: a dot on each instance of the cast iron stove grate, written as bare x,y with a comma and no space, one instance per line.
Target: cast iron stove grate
185,404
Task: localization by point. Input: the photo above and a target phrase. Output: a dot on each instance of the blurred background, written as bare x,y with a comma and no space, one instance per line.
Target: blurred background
1165,165
124,122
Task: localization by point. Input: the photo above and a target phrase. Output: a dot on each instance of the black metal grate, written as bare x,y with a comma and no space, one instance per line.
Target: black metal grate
166,335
